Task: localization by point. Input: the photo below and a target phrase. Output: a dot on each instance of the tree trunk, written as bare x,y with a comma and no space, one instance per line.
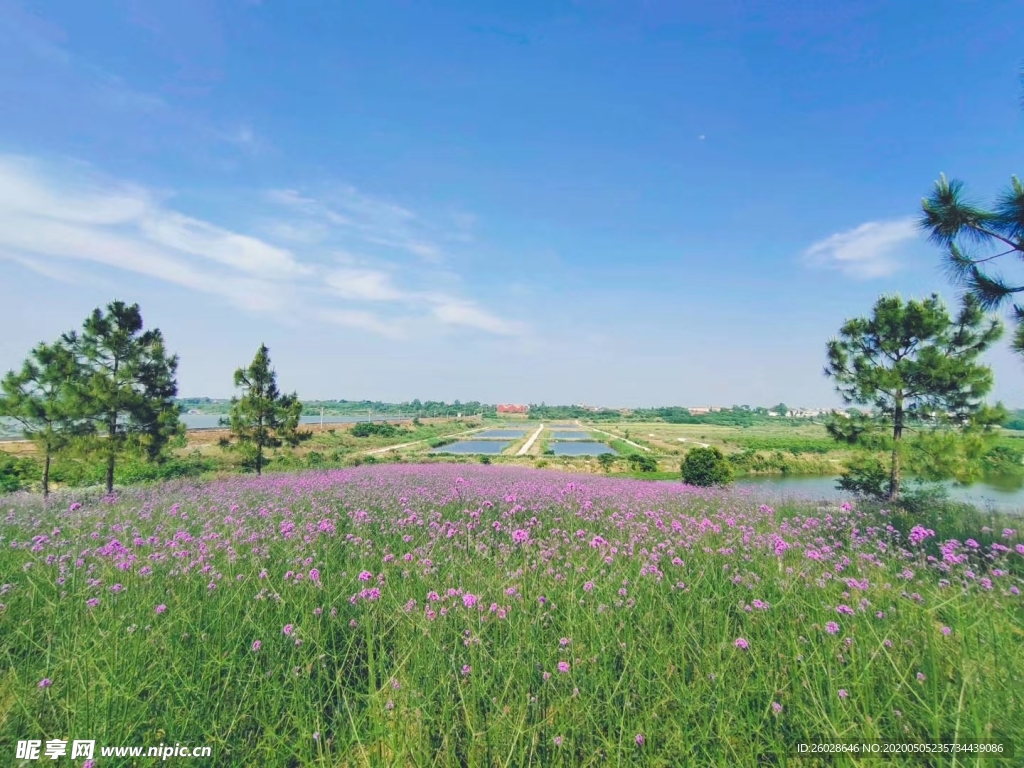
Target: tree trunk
259,459
897,434
111,438
46,474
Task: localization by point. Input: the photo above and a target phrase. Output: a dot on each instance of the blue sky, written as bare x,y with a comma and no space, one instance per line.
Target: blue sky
617,203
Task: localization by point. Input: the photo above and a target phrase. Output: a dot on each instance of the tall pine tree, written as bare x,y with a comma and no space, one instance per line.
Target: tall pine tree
263,417
127,387
40,398
918,369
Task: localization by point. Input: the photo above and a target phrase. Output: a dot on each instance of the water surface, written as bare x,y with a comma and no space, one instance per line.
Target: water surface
588,448
474,446
1003,494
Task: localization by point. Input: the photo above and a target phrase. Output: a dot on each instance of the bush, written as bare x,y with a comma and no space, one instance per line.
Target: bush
485,459
640,463
17,473
706,467
865,476
315,459
372,429
606,460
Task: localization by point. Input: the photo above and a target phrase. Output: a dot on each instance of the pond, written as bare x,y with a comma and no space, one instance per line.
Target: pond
508,434
588,448
570,436
474,446
1003,494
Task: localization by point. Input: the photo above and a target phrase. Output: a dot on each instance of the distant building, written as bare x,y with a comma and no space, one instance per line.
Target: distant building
507,408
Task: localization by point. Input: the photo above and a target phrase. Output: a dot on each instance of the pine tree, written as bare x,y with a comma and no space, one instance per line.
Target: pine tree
127,387
263,417
39,397
976,238
918,370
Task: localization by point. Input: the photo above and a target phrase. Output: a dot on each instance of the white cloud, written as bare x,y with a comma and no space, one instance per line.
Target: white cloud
455,312
49,218
868,251
362,320
363,285
365,218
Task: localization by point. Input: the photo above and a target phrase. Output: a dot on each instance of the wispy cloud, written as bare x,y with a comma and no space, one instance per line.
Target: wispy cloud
52,216
871,250
364,218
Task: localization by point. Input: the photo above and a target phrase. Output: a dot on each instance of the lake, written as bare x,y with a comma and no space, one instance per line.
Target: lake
474,446
570,436
580,449
1005,494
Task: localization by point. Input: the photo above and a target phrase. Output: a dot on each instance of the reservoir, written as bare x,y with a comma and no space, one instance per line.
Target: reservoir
570,436
474,446
508,434
999,494
588,448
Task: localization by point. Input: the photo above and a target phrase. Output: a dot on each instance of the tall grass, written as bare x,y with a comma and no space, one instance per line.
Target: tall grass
471,615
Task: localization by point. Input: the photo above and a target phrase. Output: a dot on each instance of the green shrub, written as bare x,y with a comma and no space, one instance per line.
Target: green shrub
606,460
706,467
485,459
374,429
640,463
17,473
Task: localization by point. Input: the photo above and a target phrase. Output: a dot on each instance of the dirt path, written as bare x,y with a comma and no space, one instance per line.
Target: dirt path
630,442
529,443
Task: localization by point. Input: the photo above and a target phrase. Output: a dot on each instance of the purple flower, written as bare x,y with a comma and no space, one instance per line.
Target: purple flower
921,677
256,645
842,693
640,739
469,600
365,576
563,667
776,707
161,608
832,628
45,682
558,741
742,644
288,629
92,602
946,631
520,536
466,669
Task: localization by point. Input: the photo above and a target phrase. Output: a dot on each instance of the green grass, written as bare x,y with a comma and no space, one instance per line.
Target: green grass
375,682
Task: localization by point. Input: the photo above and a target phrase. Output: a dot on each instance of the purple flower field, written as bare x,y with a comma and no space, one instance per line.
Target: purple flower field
460,614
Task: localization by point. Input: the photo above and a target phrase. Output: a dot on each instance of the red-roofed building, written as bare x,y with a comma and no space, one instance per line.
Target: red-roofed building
513,408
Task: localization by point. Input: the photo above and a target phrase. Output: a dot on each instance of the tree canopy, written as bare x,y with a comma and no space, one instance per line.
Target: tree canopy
263,417
976,239
124,393
918,369
40,398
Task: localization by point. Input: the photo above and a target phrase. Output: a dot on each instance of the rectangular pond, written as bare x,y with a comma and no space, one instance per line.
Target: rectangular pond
569,435
588,448
493,434
474,446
